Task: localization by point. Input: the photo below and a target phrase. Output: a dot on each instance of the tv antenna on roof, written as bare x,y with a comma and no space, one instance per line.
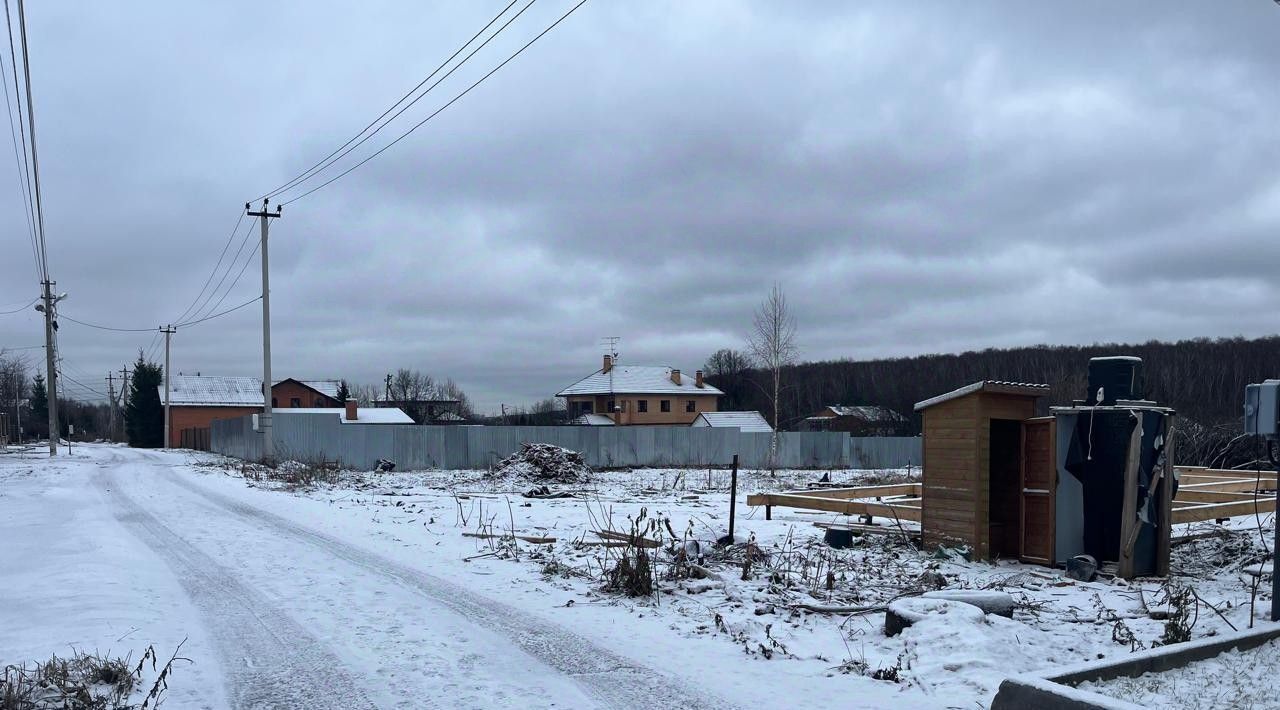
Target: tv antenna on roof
611,342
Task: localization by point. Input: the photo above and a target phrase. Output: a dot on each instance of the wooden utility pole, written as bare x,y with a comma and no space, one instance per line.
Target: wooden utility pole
124,396
168,330
268,445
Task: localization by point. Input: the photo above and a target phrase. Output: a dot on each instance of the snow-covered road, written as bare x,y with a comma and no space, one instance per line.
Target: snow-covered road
285,614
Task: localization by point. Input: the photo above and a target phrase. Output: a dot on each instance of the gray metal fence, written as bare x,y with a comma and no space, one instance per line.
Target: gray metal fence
324,437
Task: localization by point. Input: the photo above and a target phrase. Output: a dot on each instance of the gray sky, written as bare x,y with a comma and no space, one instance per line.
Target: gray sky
920,177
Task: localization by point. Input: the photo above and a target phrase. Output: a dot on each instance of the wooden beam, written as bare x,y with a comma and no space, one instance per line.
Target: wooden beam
894,489
1199,496
1213,511
908,509
1130,526
1240,486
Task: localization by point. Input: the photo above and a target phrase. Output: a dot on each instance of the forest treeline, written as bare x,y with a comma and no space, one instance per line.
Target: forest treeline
1203,379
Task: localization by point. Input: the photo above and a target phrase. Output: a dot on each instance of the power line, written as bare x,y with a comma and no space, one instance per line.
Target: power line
253,252
22,308
244,241
438,111
219,315
64,316
230,238
35,157
25,180
325,162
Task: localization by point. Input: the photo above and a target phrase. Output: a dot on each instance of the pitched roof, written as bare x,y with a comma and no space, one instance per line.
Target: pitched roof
364,415
992,386
636,379
213,391
746,421
328,388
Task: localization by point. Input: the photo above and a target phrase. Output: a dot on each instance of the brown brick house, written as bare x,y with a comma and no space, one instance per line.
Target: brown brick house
195,401
639,394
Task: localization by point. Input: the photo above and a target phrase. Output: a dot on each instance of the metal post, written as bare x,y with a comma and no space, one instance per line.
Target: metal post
1275,555
264,422
733,495
50,358
168,331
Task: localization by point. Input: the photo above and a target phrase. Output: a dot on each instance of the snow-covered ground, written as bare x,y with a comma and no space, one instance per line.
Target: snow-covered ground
365,592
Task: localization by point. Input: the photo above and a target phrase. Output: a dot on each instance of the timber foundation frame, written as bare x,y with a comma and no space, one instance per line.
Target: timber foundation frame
899,501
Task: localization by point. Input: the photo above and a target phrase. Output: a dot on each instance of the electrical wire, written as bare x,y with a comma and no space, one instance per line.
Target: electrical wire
22,131
219,315
63,316
440,110
35,156
20,309
226,293
325,162
230,238
205,307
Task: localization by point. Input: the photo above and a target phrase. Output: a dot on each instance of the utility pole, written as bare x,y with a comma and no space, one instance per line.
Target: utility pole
111,402
124,393
268,445
51,358
387,398
168,330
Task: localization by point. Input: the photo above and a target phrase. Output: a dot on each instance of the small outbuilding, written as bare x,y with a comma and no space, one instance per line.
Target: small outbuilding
745,421
975,440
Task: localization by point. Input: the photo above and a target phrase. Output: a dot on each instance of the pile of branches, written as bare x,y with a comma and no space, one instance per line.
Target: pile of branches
544,462
85,681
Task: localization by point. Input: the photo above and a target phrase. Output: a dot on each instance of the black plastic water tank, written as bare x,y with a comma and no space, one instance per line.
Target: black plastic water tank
1119,377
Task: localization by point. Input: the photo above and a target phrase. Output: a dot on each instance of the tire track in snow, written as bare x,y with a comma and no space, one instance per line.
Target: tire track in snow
611,679
270,661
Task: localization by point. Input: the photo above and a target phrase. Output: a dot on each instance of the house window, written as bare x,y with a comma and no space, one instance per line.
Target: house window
319,402
665,405
642,405
612,406
690,406
295,402
586,408
274,403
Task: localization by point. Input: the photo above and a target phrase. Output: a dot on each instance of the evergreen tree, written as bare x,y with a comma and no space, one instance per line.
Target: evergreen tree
39,407
143,412
344,393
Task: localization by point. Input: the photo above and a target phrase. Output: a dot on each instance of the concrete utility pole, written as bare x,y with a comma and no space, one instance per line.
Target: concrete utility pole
124,395
51,359
111,403
168,330
268,445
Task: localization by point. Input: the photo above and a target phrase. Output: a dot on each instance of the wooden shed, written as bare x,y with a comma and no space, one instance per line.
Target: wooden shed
975,443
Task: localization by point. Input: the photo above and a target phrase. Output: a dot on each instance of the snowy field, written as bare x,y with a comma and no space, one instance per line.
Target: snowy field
371,590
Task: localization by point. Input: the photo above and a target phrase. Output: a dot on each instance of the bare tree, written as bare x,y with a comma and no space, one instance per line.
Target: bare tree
772,342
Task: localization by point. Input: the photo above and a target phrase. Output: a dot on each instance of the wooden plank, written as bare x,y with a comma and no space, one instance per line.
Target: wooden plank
844,507
1129,524
1237,486
1164,532
1186,496
896,489
1214,511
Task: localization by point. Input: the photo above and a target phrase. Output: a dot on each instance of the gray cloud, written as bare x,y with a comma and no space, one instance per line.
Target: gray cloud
920,177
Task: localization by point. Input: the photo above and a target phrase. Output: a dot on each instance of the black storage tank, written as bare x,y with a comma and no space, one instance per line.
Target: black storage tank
1119,377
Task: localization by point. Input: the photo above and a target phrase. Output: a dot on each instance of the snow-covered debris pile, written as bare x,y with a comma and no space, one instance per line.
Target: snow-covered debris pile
544,462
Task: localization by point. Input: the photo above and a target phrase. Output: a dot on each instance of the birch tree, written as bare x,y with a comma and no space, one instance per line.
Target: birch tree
772,342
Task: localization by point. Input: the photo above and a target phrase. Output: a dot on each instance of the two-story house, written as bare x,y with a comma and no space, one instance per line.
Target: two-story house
638,394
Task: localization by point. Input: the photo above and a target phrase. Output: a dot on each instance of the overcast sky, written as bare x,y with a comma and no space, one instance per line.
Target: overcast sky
919,177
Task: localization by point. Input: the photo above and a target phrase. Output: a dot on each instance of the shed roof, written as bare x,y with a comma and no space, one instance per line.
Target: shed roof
746,421
1026,389
637,379
328,388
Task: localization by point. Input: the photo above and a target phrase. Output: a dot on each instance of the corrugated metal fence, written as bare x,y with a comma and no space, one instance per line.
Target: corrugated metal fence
323,437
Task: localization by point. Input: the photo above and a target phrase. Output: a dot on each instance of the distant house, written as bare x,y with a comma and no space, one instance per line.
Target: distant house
860,420
196,401
294,394
637,394
746,421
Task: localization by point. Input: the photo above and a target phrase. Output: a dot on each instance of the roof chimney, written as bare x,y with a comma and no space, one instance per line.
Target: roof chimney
608,364
675,376
351,410
697,379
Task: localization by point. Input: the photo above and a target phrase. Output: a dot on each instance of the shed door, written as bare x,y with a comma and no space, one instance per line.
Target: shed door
1038,480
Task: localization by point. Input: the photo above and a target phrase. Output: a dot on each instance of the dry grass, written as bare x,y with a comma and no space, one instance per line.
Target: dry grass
85,681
